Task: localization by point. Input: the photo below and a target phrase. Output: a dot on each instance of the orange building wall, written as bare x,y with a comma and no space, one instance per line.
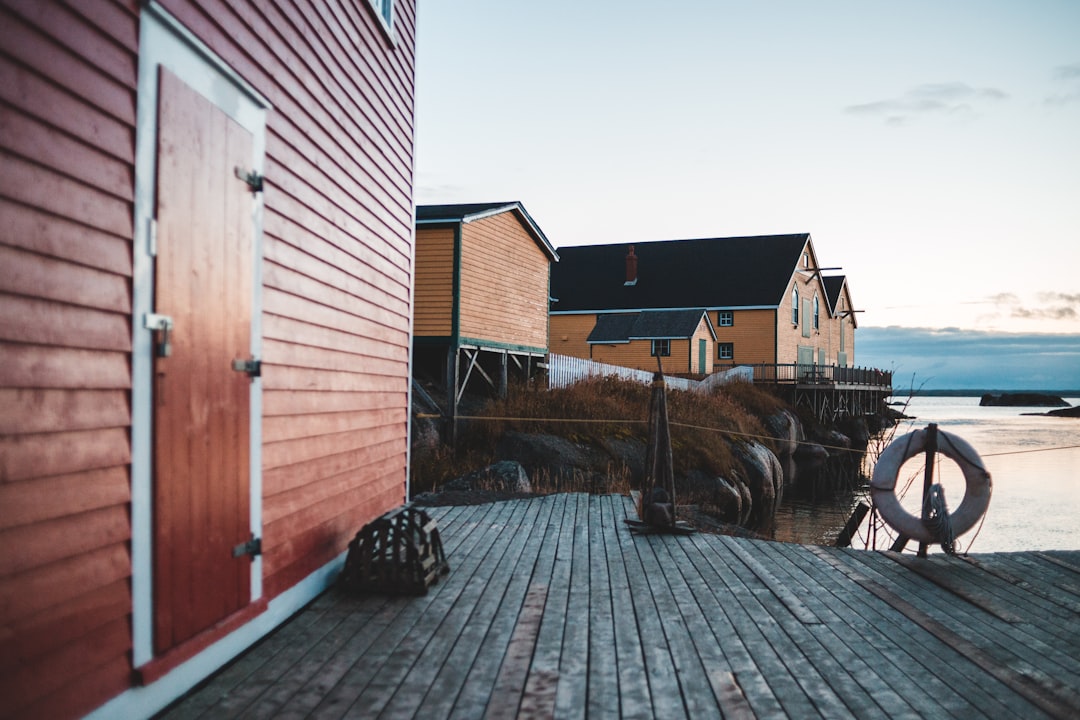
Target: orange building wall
569,334
753,334
504,284
434,299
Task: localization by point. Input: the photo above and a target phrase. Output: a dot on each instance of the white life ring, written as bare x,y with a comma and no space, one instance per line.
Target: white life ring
883,484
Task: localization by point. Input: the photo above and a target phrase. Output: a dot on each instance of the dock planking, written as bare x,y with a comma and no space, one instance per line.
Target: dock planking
552,608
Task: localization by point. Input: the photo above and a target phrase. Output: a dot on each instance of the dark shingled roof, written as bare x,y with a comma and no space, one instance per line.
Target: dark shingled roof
466,212
459,211
646,325
705,273
833,285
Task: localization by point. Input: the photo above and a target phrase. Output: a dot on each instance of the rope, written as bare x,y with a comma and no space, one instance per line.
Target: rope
734,433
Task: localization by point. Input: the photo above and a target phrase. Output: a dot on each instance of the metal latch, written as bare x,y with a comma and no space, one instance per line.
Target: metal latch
162,324
252,367
252,547
253,179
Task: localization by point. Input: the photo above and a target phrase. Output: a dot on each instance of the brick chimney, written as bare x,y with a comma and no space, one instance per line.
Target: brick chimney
631,267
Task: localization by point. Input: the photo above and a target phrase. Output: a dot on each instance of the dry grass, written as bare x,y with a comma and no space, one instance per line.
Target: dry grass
702,429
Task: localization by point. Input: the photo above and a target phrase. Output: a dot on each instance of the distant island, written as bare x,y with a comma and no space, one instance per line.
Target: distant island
979,392
1021,399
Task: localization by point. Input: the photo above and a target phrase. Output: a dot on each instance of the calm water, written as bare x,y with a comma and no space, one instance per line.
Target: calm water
1036,498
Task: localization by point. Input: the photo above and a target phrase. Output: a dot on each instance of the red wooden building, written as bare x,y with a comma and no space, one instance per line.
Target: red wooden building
206,259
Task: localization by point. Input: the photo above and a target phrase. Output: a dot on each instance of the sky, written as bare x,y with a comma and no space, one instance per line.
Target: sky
931,149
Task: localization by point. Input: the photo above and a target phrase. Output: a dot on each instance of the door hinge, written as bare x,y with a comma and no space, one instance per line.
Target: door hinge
252,367
253,179
252,547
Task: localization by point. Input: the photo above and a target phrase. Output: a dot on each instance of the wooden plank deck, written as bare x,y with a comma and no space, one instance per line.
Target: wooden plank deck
553,609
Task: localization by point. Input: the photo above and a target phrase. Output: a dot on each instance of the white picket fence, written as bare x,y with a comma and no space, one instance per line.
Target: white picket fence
564,370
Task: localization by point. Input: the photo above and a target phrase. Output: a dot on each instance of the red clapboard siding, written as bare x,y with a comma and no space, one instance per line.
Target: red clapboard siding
326,540
53,497
53,59
285,477
43,322
31,683
28,228
118,20
23,457
59,108
305,356
84,40
85,691
368,267
290,281
30,592
33,184
292,452
27,273
37,411
285,427
32,366
46,542
62,153
352,277
304,333
296,499
54,627
288,305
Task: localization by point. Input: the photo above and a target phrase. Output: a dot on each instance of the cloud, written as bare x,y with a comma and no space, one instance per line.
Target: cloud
950,358
948,99
1068,78
1047,306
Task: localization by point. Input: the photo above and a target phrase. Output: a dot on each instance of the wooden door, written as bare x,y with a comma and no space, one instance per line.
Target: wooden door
703,352
203,282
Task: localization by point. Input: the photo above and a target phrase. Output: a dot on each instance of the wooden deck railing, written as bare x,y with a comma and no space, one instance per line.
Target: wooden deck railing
799,374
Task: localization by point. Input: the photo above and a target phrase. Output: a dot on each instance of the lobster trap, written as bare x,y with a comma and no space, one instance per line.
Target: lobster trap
399,553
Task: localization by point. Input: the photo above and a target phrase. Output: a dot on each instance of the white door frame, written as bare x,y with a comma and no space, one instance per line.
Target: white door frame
163,41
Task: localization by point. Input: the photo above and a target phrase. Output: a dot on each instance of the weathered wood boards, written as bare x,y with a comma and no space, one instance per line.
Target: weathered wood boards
553,608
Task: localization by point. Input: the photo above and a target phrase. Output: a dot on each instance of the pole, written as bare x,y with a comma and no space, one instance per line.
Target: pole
928,475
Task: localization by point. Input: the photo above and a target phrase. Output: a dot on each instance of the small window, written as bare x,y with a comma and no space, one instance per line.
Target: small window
725,318
817,314
725,351
661,348
385,10
795,306
806,260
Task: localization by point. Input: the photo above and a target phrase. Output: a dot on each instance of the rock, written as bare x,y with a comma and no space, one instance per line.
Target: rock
570,466
765,480
1063,412
1021,399
811,456
787,431
504,476
724,497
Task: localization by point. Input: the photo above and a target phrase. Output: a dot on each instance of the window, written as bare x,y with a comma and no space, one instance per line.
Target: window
794,306
385,10
817,314
725,318
661,348
725,351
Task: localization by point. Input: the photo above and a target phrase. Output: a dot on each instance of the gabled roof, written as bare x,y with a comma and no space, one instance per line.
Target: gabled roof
470,212
835,286
703,273
648,325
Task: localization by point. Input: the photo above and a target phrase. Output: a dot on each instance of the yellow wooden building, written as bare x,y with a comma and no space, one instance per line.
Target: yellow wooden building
765,296
481,294
682,340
